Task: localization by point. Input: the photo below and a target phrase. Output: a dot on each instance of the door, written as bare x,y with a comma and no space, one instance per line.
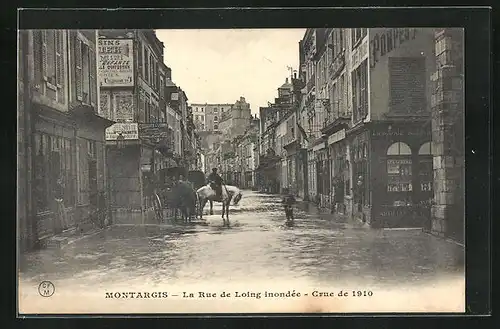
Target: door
93,182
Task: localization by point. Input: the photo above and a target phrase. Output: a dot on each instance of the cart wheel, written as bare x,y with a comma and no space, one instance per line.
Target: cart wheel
158,208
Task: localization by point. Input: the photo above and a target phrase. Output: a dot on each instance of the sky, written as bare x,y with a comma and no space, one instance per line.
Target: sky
219,66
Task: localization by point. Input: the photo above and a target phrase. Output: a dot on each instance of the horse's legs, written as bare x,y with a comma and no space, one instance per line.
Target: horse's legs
211,207
227,212
202,206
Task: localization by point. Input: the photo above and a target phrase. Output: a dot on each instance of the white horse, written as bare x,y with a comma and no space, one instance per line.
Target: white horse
229,192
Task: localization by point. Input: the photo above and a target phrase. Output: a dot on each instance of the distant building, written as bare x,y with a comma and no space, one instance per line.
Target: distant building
207,116
236,120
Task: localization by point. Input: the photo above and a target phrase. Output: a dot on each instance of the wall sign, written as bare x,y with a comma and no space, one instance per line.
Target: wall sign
116,62
383,43
129,131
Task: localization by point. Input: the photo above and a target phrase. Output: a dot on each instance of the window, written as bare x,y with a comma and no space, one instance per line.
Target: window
399,170
141,60
360,91
215,110
85,74
215,118
85,71
216,127
357,35
146,64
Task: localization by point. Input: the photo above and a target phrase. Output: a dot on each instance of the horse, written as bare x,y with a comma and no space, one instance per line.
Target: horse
183,198
207,193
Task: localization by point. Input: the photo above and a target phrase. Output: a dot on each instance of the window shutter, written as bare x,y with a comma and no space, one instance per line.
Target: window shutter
92,80
44,55
78,68
60,66
38,55
51,56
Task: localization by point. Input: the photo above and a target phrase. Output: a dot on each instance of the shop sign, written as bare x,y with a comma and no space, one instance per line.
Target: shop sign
400,132
153,130
116,62
129,131
387,40
336,137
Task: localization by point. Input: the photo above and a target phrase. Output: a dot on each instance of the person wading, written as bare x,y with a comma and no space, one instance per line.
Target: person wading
215,179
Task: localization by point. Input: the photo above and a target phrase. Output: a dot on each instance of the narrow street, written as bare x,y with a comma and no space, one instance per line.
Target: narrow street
256,247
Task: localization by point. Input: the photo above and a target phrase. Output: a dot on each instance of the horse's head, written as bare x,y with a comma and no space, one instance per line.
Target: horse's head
237,198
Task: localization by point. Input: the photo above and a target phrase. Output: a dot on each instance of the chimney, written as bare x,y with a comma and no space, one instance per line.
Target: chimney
286,80
295,76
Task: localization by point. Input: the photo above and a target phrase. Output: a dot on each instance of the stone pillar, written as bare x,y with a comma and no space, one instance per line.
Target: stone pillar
447,105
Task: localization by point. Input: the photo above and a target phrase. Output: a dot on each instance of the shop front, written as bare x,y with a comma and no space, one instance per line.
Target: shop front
267,173
402,174
70,177
339,171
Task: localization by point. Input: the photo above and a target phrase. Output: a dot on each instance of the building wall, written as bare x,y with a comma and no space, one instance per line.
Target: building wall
210,114
406,43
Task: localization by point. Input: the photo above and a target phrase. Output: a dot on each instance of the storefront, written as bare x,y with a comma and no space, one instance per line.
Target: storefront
339,171
362,181
267,173
402,174
69,165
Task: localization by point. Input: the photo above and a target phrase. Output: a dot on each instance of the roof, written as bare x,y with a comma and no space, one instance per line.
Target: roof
286,85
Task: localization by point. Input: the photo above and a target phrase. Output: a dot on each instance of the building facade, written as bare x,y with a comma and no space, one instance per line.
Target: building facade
362,134
131,78
207,116
63,175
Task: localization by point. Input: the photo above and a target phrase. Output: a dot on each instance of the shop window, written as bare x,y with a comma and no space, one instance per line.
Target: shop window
399,171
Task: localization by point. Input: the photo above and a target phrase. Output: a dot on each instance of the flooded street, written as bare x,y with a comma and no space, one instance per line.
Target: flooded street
255,247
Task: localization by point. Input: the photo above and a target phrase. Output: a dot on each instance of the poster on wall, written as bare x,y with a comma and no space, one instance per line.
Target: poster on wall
123,105
116,62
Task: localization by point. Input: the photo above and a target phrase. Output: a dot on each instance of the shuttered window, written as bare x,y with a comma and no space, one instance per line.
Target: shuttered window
78,68
141,59
146,65
60,81
85,73
38,56
92,80
407,84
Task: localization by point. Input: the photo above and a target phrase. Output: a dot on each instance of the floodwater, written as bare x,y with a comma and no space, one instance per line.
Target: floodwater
257,246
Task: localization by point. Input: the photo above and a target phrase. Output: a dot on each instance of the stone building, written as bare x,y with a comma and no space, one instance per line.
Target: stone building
62,135
131,95
236,120
448,137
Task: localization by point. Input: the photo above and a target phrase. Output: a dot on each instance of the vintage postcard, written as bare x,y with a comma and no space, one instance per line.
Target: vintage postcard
241,171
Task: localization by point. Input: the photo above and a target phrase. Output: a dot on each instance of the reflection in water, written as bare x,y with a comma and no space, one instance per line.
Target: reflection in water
257,246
